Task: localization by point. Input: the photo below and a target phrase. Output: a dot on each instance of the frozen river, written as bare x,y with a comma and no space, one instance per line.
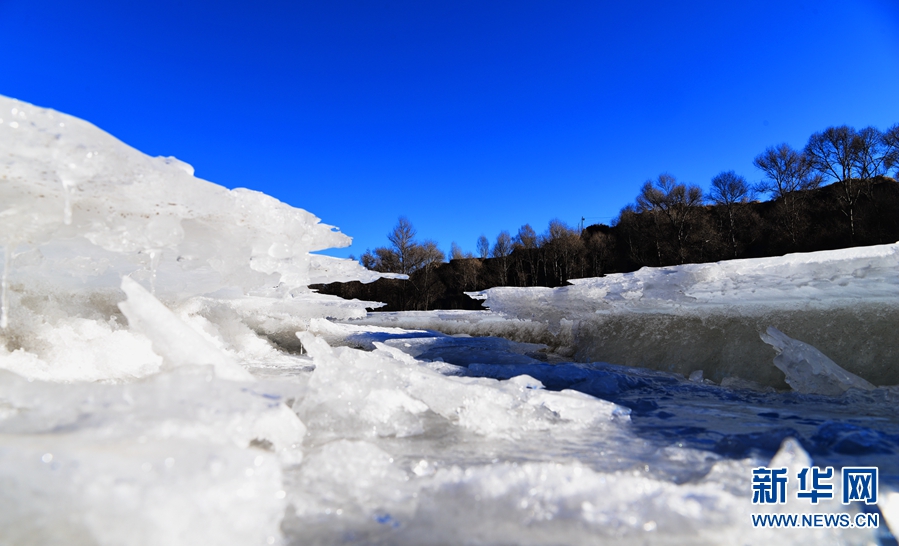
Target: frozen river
166,377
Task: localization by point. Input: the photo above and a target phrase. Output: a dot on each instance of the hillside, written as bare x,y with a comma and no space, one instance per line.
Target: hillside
805,221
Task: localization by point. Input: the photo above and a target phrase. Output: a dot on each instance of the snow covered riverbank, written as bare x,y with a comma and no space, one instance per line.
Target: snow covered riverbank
703,317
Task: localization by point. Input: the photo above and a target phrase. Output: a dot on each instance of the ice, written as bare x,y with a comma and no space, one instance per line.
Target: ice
807,369
166,377
4,286
890,509
174,341
165,461
186,446
81,211
78,194
388,393
708,316
460,322
557,503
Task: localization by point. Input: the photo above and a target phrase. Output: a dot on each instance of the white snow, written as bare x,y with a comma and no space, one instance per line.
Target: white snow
709,316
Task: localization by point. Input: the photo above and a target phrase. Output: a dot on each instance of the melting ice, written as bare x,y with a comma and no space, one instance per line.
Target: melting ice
166,377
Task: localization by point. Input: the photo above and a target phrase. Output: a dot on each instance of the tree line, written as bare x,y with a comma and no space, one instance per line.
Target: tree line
833,193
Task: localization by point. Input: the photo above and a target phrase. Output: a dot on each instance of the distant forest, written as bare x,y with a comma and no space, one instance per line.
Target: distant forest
834,193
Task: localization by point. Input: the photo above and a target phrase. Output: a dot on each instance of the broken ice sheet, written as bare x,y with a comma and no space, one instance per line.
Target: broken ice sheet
808,370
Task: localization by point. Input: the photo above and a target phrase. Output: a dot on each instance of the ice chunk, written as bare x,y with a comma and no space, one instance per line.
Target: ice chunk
807,369
98,210
80,210
388,393
177,343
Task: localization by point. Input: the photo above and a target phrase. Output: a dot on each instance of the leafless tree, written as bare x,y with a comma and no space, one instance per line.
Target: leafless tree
834,153
527,237
729,190
870,154
483,247
402,237
456,252
637,237
831,152
671,204
787,174
368,260
501,251
408,257
599,249
426,257
890,140
563,248
526,242
465,268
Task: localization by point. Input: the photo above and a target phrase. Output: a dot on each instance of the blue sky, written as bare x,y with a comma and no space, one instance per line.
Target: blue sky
466,117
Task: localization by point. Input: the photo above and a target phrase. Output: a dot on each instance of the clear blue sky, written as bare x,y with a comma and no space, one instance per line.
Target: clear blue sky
466,117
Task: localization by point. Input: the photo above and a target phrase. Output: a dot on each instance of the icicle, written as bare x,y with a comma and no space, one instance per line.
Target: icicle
155,257
4,297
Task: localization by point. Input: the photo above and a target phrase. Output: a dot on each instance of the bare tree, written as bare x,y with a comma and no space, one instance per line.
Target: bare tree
673,204
408,257
402,237
501,251
890,140
787,173
834,153
870,154
456,252
730,190
483,247
526,243
368,260
637,236
426,257
503,245
563,249
467,270
383,259
599,249
426,254
527,237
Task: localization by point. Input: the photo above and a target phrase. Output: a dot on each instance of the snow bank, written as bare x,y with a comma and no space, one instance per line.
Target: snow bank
708,316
